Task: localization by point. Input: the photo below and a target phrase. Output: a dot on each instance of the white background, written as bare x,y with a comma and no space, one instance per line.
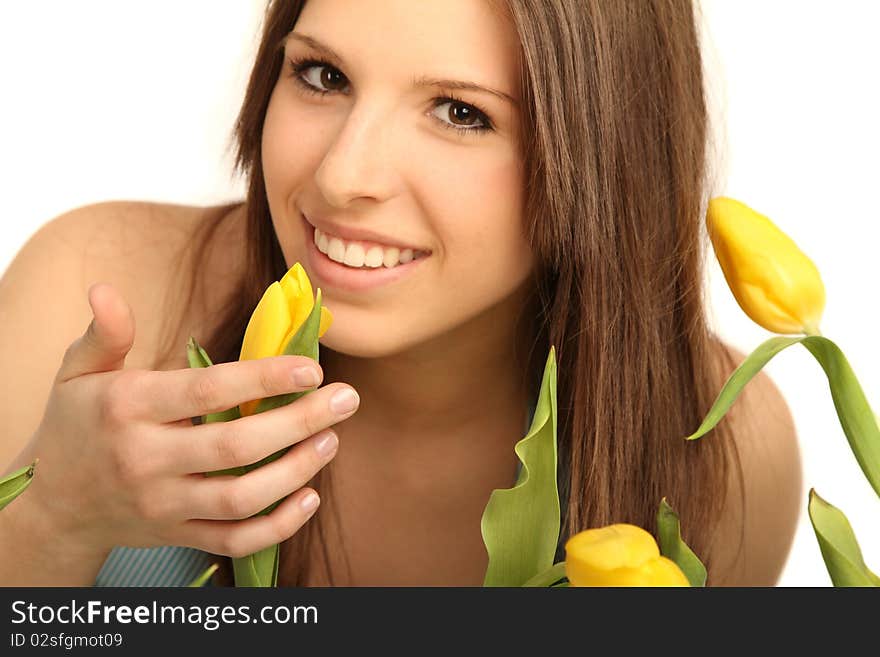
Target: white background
105,100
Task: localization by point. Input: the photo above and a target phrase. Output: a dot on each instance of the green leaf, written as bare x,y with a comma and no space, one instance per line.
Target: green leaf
672,547
257,569
855,414
837,541
553,576
204,578
520,525
198,357
753,364
15,483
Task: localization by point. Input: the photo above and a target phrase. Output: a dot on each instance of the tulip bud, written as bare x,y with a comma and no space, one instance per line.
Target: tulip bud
278,316
773,281
619,555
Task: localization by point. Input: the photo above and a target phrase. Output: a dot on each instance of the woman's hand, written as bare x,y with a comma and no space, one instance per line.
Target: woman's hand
122,464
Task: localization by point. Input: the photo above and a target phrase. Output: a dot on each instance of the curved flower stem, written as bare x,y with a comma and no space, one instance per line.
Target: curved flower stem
549,577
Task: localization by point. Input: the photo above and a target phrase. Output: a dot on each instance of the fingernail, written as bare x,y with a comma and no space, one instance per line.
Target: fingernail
326,443
309,502
306,376
344,401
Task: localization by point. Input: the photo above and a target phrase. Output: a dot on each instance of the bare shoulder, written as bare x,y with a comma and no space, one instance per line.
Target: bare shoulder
135,246
757,528
142,248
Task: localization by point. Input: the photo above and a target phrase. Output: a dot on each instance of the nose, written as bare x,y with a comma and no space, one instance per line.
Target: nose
358,162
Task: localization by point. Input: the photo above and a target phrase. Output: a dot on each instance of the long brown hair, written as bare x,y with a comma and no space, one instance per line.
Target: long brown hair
615,126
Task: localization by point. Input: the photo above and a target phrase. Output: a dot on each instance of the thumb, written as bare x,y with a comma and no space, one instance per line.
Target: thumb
107,340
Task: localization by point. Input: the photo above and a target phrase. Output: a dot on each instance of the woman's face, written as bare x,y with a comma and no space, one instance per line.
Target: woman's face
386,159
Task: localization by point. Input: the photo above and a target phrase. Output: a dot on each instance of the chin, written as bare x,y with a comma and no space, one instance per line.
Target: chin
360,344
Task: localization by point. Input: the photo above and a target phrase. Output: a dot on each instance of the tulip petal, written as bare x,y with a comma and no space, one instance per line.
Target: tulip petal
326,320
619,546
856,417
619,555
305,285
773,281
268,325
673,547
298,291
659,571
304,343
264,335
663,572
837,541
520,525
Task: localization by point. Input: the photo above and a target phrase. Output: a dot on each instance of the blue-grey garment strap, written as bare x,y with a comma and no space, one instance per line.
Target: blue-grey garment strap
157,566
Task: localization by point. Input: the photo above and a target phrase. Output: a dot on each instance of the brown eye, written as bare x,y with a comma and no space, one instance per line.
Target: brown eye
328,78
460,115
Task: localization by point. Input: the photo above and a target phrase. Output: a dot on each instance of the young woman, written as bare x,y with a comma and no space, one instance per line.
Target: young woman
468,183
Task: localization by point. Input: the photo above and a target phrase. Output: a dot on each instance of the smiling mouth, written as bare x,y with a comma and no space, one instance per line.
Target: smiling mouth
363,255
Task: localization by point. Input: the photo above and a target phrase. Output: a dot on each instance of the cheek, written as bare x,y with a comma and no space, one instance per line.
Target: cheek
483,204
287,149
285,153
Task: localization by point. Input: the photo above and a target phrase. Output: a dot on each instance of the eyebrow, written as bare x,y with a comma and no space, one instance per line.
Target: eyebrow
419,81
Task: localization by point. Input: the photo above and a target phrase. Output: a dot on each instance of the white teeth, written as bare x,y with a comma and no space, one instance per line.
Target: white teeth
336,250
374,257
353,255
391,257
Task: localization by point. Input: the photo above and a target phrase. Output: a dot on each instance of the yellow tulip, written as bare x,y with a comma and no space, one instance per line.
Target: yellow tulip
619,555
281,312
773,281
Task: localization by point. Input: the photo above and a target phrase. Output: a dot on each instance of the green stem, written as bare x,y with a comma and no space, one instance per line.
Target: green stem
549,577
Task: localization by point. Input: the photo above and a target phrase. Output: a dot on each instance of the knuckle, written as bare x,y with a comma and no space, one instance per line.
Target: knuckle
148,508
310,418
127,464
272,378
233,502
118,401
232,544
205,392
308,425
232,448
279,530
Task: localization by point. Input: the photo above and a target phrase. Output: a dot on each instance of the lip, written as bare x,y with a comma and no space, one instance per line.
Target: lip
329,274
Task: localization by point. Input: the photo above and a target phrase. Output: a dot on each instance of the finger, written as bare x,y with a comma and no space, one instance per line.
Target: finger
174,395
107,340
239,538
237,497
222,445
